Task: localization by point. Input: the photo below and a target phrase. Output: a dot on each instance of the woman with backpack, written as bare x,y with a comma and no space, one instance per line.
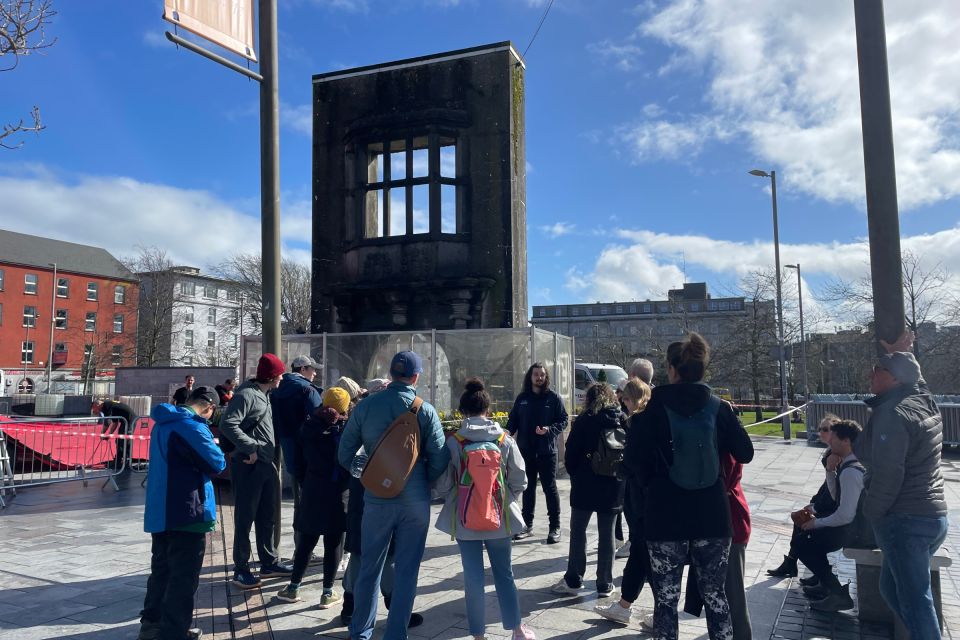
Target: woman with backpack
634,398
593,454
674,454
483,485
322,508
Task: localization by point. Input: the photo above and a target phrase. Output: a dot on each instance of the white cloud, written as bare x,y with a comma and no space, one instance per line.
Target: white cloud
156,39
558,229
298,117
785,78
118,213
624,55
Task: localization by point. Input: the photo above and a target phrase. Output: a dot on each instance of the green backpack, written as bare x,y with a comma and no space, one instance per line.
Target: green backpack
693,439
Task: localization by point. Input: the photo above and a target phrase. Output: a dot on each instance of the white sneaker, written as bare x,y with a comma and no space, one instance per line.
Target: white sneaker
624,550
646,622
563,588
523,632
614,611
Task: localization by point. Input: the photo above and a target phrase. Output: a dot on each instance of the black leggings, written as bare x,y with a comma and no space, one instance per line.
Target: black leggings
637,569
332,552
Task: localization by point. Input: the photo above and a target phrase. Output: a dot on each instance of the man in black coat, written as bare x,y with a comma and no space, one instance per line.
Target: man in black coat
536,420
116,429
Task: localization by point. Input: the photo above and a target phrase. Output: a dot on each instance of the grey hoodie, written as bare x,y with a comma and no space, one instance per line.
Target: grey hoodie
480,429
247,422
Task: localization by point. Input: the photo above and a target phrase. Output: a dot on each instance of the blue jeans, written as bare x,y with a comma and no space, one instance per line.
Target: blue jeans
908,542
407,524
471,555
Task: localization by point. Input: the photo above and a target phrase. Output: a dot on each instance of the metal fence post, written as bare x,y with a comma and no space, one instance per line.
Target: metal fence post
433,368
533,344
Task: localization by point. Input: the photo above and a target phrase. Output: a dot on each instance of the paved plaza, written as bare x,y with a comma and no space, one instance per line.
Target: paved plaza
74,563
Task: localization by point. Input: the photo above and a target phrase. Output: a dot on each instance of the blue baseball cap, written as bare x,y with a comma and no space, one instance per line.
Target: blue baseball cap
406,364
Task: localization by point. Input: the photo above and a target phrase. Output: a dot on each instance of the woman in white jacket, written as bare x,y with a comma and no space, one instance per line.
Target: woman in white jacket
478,428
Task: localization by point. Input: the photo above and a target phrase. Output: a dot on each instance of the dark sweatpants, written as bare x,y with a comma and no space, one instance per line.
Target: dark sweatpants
332,553
544,466
175,564
255,488
812,548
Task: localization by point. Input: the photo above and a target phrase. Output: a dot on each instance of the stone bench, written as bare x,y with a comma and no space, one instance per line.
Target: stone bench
871,605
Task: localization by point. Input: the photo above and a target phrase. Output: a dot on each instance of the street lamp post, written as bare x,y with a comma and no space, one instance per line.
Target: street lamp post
785,419
803,341
53,317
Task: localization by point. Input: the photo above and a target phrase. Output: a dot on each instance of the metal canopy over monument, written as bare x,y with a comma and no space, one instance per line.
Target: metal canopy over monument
419,182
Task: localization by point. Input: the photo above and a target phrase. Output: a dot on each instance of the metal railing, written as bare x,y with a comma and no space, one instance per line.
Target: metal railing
43,451
853,408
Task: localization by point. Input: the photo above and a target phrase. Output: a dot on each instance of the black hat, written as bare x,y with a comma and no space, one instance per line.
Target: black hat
205,394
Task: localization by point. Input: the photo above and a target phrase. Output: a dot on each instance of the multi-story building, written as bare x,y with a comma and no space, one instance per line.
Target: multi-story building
618,332
68,315
191,319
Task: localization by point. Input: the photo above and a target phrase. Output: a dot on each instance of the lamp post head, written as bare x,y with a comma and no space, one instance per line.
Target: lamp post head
792,266
759,173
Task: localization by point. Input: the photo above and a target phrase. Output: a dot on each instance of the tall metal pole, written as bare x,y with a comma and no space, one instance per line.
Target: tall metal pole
803,341
270,176
880,171
53,315
776,255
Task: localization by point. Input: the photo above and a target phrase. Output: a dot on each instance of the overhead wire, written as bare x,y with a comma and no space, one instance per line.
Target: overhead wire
540,24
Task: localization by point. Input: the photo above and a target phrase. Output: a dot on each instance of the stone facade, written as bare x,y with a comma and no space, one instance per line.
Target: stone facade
419,178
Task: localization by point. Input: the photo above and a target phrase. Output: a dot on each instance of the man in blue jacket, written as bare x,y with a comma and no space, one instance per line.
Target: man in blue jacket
179,512
405,518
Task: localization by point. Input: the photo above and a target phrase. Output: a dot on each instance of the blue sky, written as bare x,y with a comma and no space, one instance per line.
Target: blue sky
643,119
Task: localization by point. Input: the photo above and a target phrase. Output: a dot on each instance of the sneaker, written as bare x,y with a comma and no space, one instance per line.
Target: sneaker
605,592
523,632
245,580
646,622
329,599
614,611
554,536
275,570
289,594
194,633
523,533
624,550
563,588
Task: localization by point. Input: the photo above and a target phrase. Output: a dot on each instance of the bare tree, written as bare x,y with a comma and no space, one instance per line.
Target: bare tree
246,270
158,304
23,32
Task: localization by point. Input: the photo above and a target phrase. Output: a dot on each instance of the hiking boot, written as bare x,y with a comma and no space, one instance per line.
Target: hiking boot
554,536
524,532
816,592
838,600
623,551
277,569
289,593
787,568
523,632
245,580
329,599
563,588
614,611
809,581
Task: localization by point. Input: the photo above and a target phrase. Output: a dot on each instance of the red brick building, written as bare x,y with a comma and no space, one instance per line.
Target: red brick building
71,329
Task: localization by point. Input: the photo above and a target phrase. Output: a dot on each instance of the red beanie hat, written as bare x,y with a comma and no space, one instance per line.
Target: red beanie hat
269,367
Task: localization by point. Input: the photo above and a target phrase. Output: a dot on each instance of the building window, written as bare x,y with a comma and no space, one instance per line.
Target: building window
619,308
119,294
29,316
91,322
118,323
603,310
647,308
92,290
663,308
233,295
30,283
1,279
60,347
694,306
711,306
60,322
188,338
236,317
188,314
116,355
619,332
26,352
210,291
633,308
725,305
542,312
212,316
211,339
188,361
558,311
575,311
63,287
236,341
188,288
397,197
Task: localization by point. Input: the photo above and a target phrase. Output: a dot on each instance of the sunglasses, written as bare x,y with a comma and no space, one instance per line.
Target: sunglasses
823,429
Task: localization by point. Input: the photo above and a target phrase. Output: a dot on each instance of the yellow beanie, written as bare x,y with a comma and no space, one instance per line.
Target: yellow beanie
337,399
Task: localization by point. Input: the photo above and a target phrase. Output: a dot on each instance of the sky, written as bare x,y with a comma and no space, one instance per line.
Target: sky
643,119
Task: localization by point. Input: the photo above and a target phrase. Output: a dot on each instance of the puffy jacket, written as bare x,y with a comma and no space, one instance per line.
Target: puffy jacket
247,422
323,482
373,416
588,490
292,403
671,512
479,429
900,447
183,457
532,410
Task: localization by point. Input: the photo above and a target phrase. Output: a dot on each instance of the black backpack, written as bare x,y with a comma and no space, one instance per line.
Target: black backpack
693,439
608,455
859,533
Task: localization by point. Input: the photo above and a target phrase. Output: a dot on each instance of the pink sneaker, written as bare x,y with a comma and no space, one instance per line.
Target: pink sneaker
523,632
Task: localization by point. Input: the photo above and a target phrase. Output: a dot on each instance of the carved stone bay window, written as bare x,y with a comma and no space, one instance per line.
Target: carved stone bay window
409,186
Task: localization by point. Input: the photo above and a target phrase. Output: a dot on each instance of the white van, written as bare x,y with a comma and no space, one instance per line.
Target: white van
587,373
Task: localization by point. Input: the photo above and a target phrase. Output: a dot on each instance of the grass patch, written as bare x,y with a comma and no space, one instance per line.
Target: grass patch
770,428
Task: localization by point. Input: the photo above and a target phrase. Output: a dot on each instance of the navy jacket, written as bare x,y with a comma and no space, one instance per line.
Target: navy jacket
531,410
293,402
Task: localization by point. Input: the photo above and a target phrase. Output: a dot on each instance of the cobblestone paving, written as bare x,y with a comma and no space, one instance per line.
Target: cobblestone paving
74,563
